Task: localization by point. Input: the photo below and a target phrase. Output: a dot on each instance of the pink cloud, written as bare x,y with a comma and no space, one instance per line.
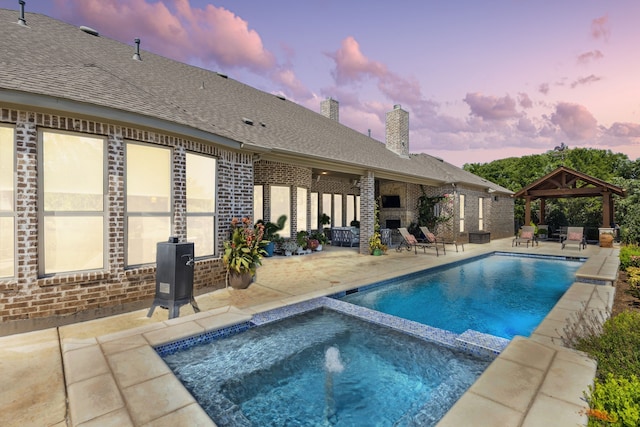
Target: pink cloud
575,121
585,81
352,65
624,130
524,100
544,88
211,35
594,55
491,107
600,28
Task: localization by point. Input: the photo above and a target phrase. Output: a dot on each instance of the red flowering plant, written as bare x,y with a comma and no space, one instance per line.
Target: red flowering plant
244,252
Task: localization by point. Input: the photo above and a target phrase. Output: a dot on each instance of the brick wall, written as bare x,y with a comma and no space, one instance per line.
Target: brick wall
29,297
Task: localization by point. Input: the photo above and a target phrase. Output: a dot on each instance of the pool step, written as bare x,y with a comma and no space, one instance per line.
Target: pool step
475,342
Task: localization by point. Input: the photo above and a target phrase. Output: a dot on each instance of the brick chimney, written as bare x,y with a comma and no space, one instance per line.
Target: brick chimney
397,131
330,108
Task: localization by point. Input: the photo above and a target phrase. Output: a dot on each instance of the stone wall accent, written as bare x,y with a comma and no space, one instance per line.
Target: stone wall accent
29,297
397,131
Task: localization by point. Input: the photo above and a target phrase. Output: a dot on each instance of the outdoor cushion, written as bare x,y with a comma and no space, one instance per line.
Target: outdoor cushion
431,237
574,236
411,239
526,235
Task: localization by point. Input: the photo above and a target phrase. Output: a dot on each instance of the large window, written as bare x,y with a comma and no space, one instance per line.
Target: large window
72,200
314,212
148,210
461,213
281,205
7,202
327,207
258,202
480,213
301,209
201,203
338,221
351,208
357,208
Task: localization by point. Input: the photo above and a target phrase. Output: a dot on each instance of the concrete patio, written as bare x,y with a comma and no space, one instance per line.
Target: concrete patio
104,372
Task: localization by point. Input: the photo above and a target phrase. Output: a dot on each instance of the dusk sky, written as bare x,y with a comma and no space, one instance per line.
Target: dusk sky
482,80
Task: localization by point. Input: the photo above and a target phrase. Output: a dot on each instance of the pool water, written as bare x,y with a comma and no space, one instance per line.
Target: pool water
325,368
498,295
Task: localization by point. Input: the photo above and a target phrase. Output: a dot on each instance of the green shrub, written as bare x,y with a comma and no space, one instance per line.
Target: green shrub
629,256
616,349
614,402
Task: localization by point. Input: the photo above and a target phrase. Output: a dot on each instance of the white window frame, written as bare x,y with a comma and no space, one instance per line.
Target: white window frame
8,247
282,192
199,253
44,213
461,200
481,213
147,214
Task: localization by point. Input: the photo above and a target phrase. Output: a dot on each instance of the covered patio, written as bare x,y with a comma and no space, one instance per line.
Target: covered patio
565,182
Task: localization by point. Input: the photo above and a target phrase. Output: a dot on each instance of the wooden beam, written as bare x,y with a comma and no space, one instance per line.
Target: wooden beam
567,192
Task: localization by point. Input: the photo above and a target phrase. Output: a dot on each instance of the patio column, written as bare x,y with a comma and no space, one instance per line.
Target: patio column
527,210
542,208
606,209
367,210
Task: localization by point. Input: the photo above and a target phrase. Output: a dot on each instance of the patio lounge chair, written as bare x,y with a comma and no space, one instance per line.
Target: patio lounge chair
575,236
409,241
527,235
432,238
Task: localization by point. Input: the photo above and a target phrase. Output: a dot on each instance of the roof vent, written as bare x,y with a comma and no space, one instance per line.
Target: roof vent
89,30
224,76
281,97
247,121
21,20
136,56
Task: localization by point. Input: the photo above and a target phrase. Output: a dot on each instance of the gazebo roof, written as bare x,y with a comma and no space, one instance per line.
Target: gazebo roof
565,182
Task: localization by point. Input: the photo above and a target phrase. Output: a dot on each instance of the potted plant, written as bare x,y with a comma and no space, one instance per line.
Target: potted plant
289,246
320,237
271,233
243,252
376,247
302,238
323,221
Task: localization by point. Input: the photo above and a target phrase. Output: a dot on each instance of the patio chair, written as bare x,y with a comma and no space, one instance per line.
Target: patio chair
527,235
410,241
432,238
575,236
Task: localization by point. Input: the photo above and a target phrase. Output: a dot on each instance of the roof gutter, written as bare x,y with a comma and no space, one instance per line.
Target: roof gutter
56,105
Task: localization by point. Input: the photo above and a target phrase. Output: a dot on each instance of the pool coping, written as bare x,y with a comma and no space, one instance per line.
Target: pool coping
112,379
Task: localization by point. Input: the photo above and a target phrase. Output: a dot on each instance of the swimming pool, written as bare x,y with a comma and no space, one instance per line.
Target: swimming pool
323,367
501,295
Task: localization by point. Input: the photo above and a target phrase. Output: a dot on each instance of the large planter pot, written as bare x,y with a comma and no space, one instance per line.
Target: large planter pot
240,281
269,248
606,241
377,252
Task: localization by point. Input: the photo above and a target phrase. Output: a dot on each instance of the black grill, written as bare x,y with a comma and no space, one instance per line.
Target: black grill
174,277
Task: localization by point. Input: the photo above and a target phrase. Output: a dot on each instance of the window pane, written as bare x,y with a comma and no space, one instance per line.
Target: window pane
73,172
314,212
258,202
200,232
148,179
281,205
6,169
73,243
351,206
462,213
201,183
337,210
358,208
7,247
144,233
327,206
301,213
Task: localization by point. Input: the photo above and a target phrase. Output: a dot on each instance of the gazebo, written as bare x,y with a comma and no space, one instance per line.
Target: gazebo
565,182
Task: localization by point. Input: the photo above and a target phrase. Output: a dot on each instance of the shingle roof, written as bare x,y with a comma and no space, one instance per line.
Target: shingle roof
50,58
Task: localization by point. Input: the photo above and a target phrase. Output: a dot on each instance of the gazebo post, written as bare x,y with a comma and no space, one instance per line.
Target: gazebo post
606,209
527,210
542,208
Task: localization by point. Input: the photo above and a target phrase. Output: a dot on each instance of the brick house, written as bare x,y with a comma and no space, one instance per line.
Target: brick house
106,149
